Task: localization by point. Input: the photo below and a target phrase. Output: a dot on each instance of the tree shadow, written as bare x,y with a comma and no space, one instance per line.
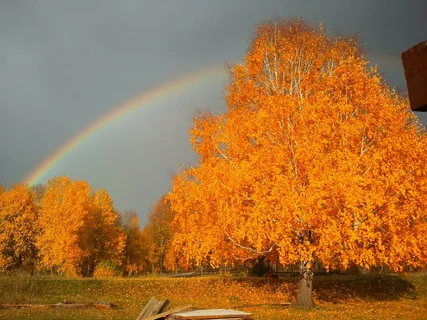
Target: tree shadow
337,288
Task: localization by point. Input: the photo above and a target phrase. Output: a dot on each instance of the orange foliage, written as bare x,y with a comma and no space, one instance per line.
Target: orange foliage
159,231
137,249
316,159
78,227
64,211
18,214
104,238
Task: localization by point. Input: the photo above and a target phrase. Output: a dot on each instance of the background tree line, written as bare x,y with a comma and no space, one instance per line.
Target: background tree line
66,227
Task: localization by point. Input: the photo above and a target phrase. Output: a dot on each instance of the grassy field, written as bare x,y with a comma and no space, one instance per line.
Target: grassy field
337,297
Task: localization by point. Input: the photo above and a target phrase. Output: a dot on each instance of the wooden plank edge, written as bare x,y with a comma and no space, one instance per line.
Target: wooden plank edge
170,312
147,308
168,318
243,317
283,304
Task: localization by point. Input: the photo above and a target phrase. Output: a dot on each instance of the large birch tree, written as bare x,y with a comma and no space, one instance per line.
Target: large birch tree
316,160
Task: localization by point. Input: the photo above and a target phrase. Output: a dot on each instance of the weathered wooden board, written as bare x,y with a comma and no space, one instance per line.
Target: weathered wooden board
169,312
14,306
169,318
46,306
283,304
103,305
211,314
165,306
415,65
148,309
158,308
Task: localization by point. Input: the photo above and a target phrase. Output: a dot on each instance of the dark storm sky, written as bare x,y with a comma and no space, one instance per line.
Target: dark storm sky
65,64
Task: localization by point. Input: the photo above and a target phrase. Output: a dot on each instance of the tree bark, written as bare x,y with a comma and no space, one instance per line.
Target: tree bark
305,288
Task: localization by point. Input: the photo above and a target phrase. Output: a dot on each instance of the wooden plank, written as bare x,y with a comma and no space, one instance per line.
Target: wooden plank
62,306
69,306
146,312
230,319
155,310
15,306
212,314
218,318
169,312
165,306
103,305
98,305
283,304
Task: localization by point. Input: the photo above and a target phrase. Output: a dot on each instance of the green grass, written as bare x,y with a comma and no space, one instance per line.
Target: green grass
337,297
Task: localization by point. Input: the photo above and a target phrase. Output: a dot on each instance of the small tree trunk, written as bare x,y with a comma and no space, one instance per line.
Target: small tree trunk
305,288
363,270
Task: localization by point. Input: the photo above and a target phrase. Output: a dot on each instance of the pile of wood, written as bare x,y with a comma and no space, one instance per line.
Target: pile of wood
156,309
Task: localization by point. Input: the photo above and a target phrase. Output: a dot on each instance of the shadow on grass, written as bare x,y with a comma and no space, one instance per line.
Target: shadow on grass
346,287
368,287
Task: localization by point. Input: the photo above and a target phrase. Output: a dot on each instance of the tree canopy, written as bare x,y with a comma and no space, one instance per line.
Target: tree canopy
18,218
78,228
315,160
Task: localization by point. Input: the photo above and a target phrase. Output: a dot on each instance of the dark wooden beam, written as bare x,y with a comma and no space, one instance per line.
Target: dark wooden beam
415,65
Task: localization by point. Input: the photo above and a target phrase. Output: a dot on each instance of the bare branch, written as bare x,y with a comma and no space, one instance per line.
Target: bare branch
221,153
248,248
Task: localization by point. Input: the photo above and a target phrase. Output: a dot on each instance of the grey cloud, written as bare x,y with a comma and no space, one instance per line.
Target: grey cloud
65,64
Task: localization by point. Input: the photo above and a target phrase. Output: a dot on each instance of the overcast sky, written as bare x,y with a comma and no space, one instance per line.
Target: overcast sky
65,64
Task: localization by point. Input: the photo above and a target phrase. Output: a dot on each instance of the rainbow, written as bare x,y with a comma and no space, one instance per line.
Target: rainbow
160,92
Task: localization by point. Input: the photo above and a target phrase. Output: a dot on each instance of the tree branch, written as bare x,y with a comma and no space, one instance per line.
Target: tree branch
248,248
